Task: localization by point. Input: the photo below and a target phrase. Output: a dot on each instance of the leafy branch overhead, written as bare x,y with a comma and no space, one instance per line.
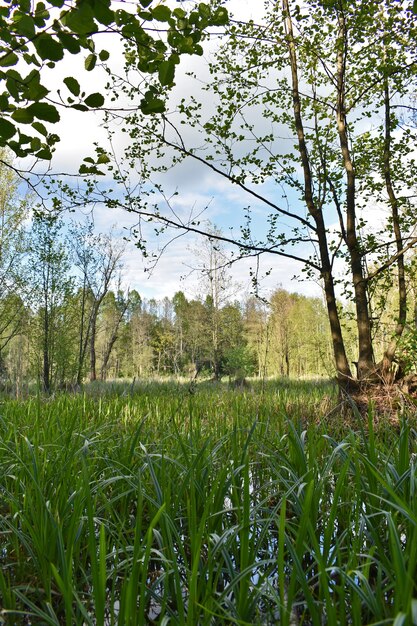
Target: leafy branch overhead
38,36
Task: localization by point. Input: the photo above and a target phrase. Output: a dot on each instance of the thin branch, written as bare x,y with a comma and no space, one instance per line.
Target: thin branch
232,179
253,249
392,259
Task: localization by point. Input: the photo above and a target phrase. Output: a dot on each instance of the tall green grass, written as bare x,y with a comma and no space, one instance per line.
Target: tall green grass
168,505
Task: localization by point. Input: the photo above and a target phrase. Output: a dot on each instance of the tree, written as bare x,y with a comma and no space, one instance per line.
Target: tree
49,268
257,331
298,335
98,258
237,358
333,93
114,310
12,252
197,335
142,323
217,286
181,327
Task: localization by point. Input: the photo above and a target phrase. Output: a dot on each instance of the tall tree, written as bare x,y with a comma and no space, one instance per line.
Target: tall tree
217,287
115,309
13,210
307,100
49,267
98,259
257,331
298,336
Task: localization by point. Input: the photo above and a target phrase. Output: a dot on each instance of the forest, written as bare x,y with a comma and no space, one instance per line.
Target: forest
226,457
65,317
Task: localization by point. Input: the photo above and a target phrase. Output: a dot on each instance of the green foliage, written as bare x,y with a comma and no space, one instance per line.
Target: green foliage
408,350
239,362
113,503
33,37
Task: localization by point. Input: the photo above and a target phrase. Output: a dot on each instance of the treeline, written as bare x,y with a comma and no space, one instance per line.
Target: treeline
66,315
70,338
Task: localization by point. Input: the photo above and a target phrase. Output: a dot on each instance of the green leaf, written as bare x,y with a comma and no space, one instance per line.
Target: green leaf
179,13
94,100
44,111
79,107
84,169
90,62
69,42
144,15
48,48
4,102
104,55
161,13
40,128
80,20
7,129
220,17
103,13
40,15
36,91
145,3
35,144
204,10
11,86
24,138
166,72
25,25
103,158
22,116
154,105
8,59
73,85
186,45
45,154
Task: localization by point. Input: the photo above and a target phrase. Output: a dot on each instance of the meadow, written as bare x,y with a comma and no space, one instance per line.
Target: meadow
201,505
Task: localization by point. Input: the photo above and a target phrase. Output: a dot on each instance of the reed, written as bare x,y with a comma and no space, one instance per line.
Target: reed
172,505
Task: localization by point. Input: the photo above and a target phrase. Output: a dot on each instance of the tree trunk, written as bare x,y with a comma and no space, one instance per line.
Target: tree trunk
93,332
106,356
366,363
386,366
46,362
113,338
342,365
83,342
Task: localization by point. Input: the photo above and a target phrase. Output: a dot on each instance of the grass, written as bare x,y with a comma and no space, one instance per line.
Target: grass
206,506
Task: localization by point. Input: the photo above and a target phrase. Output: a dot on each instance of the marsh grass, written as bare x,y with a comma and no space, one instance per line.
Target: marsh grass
175,505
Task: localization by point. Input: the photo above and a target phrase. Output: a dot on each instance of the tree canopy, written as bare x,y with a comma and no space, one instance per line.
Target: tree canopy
310,114
37,36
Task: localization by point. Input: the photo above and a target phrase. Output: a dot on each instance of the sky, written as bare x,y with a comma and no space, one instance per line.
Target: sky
197,188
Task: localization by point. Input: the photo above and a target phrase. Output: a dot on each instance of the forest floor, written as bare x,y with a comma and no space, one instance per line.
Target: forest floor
179,503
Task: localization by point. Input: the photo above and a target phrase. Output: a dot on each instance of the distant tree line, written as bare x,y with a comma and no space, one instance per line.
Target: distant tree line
141,338
66,315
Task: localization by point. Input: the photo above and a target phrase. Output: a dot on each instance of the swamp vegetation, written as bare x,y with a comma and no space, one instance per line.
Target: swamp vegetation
171,504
